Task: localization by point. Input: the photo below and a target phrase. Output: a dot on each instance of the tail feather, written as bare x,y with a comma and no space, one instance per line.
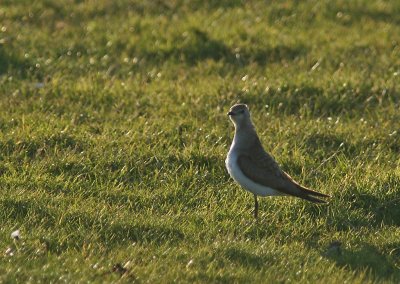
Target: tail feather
312,192
310,195
313,199
305,192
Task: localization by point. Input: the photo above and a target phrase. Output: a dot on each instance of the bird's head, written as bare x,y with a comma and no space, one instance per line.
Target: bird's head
239,114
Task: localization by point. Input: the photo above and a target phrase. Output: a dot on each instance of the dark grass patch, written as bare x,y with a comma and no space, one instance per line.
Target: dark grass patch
197,46
41,146
354,13
11,63
366,210
366,258
28,211
315,101
245,258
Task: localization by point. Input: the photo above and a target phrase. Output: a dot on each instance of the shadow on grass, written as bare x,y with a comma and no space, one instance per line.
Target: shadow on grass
73,230
362,210
323,145
11,62
244,258
352,14
199,46
385,210
116,235
20,211
317,101
162,7
325,142
366,258
109,234
38,147
154,163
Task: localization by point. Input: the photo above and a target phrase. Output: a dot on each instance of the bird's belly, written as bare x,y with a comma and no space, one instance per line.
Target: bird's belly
237,174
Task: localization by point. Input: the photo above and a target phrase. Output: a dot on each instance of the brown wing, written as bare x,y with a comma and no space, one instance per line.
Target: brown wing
259,166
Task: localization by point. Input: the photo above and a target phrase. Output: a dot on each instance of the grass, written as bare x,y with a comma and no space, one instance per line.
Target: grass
113,137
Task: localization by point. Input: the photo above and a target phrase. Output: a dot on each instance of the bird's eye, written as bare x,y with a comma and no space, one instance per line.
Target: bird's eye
242,111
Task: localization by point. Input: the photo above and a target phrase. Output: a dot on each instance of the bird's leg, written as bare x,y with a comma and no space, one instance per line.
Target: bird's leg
255,207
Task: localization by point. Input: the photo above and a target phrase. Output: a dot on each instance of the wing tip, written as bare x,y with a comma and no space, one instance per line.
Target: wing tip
315,200
313,192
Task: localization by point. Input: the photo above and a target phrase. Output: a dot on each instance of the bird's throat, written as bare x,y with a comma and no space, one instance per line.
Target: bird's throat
244,135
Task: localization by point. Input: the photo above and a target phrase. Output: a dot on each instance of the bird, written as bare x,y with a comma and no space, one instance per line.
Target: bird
254,169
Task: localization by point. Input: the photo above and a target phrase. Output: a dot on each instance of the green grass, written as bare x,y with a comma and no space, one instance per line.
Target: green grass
113,136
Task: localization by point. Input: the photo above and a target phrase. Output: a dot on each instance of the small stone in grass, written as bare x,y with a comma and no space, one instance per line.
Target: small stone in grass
15,235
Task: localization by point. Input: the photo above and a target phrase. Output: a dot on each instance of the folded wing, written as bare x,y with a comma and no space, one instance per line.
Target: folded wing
259,166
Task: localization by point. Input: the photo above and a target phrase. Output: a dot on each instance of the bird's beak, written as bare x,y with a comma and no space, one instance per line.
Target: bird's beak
230,113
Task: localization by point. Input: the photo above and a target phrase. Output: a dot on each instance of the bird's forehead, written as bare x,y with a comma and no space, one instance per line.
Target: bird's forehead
238,107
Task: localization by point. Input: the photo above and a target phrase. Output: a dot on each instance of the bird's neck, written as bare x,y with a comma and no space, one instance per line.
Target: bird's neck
245,133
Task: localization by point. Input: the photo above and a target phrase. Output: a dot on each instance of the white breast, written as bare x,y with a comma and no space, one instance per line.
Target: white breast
237,174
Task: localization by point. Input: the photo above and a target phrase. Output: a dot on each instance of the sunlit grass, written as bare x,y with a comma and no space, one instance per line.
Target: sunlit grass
113,136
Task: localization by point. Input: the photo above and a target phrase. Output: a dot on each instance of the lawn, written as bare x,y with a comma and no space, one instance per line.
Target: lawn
113,137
